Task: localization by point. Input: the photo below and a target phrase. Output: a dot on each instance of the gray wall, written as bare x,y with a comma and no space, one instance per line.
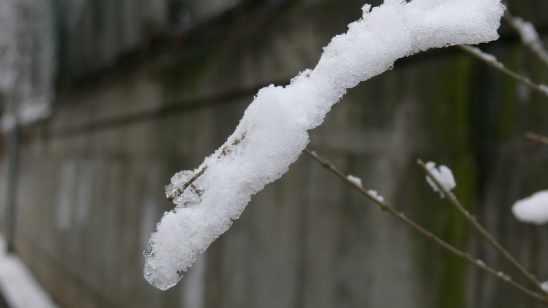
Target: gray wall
91,180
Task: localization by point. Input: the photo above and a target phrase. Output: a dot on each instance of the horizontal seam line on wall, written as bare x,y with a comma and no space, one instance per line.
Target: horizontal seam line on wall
165,111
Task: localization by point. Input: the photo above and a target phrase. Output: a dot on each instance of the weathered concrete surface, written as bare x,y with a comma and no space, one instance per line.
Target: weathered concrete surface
92,177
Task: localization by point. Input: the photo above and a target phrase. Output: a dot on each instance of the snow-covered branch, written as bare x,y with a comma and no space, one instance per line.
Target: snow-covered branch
530,38
276,123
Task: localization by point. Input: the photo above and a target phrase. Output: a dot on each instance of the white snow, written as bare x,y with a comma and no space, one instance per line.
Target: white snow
443,174
544,88
356,180
544,286
533,209
17,285
274,129
376,195
27,60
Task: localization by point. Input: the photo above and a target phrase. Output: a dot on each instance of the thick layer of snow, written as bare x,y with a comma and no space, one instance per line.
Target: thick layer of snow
19,288
443,174
274,129
533,209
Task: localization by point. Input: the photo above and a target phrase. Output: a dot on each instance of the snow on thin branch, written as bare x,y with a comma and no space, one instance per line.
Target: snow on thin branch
443,174
388,208
544,286
356,180
537,138
529,35
276,123
492,61
530,38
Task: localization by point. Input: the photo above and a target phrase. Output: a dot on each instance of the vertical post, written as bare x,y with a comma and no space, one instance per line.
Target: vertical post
11,191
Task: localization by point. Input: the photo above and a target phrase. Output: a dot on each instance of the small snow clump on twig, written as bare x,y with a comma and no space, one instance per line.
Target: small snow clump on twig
356,180
443,174
375,194
544,286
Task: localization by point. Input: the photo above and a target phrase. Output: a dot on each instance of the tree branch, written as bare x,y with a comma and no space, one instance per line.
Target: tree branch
537,138
224,152
492,62
533,43
386,207
474,222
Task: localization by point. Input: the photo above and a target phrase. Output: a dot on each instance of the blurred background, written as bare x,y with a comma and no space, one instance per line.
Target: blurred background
102,101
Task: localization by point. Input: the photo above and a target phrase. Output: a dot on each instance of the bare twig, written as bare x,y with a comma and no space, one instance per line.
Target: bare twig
473,221
536,137
415,226
181,190
492,61
224,152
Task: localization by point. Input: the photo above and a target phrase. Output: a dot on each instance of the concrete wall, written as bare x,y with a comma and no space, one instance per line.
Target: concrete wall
91,177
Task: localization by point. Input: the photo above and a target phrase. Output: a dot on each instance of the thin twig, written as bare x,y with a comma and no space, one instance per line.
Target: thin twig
536,137
429,235
224,152
492,61
474,222
535,46
181,190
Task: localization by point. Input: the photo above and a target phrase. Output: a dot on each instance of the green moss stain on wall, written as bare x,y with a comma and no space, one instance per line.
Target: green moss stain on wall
184,77
457,232
447,115
444,272
510,103
448,105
